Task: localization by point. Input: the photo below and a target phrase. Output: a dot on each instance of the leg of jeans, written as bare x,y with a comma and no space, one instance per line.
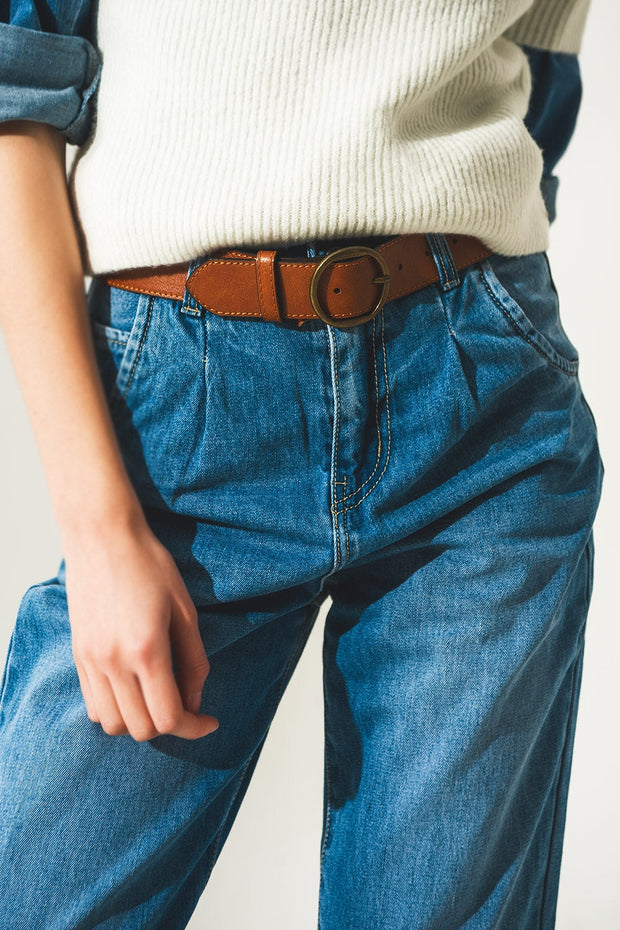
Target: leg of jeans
230,458
454,644
101,831
451,693
448,435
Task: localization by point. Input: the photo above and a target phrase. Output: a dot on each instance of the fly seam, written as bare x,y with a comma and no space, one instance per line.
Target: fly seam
334,505
387,409
378,457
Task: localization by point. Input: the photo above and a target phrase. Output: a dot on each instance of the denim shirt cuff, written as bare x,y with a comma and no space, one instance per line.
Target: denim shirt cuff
48,78
549,188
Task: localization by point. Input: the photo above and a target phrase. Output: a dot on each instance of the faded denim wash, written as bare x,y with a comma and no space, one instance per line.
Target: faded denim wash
436,472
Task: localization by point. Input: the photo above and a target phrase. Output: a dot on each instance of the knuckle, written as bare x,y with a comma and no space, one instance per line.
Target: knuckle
143,734
104,657
143,650
82,655
113,727
92,713
168,721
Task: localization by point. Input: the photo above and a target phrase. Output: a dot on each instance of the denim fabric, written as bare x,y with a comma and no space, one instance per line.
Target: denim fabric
436,472
49,70
552,112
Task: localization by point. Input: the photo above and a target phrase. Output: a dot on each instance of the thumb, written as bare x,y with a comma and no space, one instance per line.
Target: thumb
192,663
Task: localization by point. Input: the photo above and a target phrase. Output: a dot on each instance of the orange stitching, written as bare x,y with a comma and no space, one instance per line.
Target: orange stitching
202,270
259,284
389,431
379,442
139,290
334,502
260,272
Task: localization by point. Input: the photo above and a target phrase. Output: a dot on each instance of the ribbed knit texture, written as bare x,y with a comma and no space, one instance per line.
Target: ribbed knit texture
556,25
265,122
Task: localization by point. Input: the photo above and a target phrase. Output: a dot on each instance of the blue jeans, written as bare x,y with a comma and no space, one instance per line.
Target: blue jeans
436,472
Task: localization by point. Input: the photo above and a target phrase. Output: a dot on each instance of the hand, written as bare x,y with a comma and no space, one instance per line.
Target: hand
128,607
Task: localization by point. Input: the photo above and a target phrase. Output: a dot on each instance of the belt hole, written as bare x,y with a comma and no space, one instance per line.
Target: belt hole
427,252
400,266
336,290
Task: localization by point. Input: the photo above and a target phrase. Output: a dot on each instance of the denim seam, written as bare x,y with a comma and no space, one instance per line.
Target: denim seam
379,443
449,277
189,304
561,768
328,794
554,786
439,255
334,506
5,673
345,522
284,678
446,314
218,835
562,765
568,370
139,352
389,432
109,333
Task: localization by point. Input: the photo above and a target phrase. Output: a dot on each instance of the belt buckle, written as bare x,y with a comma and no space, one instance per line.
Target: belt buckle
349,251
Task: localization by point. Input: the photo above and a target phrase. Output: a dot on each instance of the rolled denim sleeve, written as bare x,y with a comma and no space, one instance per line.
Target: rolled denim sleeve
49,70
552,113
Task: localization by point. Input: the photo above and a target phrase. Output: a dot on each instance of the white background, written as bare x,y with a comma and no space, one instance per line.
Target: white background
267,875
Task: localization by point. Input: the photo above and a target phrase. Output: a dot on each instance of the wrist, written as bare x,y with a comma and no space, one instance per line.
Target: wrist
120,513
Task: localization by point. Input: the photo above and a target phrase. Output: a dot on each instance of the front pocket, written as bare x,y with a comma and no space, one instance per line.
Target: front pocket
120,323
522,289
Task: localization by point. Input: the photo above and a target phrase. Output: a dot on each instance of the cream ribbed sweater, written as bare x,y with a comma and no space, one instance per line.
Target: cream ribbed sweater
257,122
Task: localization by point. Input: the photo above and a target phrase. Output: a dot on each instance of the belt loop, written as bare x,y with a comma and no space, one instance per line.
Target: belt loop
266,285
190,304
446,266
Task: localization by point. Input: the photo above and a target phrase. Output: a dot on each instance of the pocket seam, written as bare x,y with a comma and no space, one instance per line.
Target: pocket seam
145,330
130,345
549,354
109,333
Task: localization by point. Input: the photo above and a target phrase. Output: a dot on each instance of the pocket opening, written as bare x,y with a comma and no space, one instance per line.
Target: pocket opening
522,288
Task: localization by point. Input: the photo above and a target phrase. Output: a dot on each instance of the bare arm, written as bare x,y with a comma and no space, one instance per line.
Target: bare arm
127,600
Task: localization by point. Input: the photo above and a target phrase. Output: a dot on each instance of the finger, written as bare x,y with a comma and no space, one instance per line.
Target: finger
133,709
163,701
105,703
86,690
189,652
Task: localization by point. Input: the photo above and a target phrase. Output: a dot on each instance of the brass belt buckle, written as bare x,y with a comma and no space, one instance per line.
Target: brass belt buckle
350,251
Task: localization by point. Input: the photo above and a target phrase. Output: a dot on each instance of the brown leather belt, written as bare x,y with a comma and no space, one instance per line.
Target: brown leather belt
346,287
